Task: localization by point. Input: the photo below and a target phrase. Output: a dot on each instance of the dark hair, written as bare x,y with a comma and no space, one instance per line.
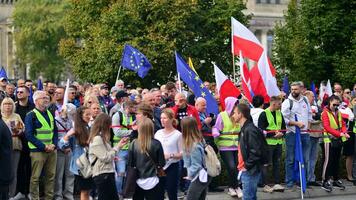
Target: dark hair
257,101
26,88
170,85
244,109
101,127
61,87
73,87
81,127
28,80
129,104
332,98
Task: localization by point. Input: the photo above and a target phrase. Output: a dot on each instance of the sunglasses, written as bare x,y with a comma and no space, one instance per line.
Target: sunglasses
19,92
336,105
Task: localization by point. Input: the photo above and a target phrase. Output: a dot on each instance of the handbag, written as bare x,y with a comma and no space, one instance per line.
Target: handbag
131,178
160,170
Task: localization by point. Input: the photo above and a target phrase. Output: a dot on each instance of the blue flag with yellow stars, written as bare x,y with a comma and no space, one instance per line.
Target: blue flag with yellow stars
196,85
134,60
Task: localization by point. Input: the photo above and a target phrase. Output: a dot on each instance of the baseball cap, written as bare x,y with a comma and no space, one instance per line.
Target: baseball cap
3,78
121,94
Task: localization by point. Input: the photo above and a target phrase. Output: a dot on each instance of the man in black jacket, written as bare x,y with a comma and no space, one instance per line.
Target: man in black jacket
6,173
252,151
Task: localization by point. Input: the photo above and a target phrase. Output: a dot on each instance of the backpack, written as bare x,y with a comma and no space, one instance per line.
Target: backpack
291,102
84,165
212,162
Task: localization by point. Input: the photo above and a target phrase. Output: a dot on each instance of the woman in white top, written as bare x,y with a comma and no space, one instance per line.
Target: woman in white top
171,140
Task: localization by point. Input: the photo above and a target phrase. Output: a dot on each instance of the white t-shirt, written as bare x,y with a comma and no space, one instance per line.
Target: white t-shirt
171,144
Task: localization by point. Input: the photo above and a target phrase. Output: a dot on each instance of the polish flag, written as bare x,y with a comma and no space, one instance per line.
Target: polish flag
245,79
225,86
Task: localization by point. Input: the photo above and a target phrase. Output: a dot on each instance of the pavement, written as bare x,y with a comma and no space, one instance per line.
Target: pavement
312,192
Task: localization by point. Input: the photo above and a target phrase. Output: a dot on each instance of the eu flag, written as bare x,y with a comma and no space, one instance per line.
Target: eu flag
299,168
285,86
195,84
134,60
39,84
3,73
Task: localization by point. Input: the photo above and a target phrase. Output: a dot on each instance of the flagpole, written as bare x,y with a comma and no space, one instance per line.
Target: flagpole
179,84
233,68
300,180
118,74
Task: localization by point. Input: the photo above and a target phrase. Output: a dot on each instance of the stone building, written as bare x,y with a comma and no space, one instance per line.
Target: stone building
7,56
265,14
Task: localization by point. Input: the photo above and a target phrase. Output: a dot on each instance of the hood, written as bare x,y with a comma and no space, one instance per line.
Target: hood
229,104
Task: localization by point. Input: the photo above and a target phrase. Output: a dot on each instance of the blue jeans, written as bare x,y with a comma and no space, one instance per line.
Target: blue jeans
313,157
249,185
290,148
120,167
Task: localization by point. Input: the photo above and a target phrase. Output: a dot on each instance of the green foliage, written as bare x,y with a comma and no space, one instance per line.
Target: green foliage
317,41
98,30
39,29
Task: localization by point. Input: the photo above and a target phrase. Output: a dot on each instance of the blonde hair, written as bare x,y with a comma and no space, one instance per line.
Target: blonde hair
7,100
190,133
170,114
145,135
90,97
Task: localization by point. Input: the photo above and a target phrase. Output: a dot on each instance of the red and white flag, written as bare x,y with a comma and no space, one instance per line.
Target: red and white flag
225,86
245,79
262,75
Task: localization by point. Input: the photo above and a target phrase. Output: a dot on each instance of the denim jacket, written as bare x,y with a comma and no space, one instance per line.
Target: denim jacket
77,151
194,161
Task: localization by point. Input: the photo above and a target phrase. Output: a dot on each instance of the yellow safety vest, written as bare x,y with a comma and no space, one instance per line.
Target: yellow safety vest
116,139
45,132
228,140
333,125
273,126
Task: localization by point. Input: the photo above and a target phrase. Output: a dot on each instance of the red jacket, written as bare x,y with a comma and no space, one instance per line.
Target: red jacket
191,112
326,123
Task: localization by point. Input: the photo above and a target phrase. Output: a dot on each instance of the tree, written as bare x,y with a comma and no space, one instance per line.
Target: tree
317,41
98,30
39,29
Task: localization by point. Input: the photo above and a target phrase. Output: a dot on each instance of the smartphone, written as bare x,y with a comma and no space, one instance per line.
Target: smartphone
211,115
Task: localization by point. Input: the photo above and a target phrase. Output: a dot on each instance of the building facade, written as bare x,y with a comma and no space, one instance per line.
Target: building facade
265,14
7,51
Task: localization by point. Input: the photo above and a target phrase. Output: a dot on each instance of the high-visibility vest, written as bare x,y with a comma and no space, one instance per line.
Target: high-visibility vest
273,126
333,125
45,132
227,140
124,125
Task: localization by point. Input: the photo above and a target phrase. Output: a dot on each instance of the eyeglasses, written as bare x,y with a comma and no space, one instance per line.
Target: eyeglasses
19,92
336,105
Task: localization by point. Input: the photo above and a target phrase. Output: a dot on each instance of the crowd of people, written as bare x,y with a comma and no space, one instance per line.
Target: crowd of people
162,133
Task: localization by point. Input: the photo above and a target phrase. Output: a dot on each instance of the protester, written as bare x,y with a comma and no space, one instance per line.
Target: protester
193,155
272,121
335,132
6,170
3,83
56,106
227,144
64,177
315,138
182,110
95,110
72,98
10,91
77,139
101,155
146,154
252,151
121,97
105,98
347,114
41,132
171,140
257,102
16,126
23,106
122,127
171,93
296,106
149,99
120,84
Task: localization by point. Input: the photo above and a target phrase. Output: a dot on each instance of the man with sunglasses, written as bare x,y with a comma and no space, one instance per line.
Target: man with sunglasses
335,133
